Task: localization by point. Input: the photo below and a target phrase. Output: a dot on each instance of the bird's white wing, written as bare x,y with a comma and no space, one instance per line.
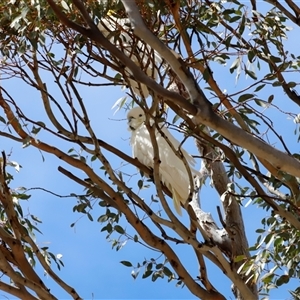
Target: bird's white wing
142,148
172,170
171,164
141,55
176,145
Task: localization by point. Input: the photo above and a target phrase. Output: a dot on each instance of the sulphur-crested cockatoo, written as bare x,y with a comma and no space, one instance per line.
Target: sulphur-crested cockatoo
172,170
140,53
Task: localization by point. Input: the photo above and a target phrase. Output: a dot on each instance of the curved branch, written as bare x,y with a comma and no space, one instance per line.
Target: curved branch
37,287
15,243
205,115
70,290
95,35
17,292
155,242
231,156
294,7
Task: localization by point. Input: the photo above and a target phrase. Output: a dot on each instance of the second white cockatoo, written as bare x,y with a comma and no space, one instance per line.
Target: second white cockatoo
140,53
172,171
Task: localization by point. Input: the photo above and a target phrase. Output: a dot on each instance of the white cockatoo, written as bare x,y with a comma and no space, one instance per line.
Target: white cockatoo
140,53
173,172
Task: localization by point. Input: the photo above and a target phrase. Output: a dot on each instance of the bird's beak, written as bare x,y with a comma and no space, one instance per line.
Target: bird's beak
130,128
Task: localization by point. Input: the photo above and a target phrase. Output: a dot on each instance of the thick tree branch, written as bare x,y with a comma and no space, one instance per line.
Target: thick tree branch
232,157
21,281
17,292
95,35
70,290
205,114
19,233
155,242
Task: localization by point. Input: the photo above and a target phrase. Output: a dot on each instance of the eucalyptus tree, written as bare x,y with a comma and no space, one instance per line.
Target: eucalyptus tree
219,73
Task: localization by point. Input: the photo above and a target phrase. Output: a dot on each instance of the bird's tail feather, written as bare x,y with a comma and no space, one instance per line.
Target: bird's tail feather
176,201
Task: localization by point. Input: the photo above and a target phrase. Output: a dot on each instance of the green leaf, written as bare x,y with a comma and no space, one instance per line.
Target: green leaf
2,120
140,184
292,84
147,274
175,119
251,74
245,97
240,258
36,219
251,55
90,217
179,283
108,228
156,275
35,130
42,124
259,87
206,76
270,99
242,25
134,274
167,272
119,76
102,218
119,229
22,196
234,19
275,59
149,266
126,263
282,280
261,103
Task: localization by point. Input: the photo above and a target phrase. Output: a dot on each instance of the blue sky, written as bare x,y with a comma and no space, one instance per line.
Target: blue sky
91,266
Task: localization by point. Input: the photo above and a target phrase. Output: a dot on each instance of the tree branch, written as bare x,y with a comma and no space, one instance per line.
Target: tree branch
17,292
205,114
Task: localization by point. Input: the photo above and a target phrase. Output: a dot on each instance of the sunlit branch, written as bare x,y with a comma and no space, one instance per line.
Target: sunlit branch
98,192
70,290
203,272
138,74
232,157
17,292
206,115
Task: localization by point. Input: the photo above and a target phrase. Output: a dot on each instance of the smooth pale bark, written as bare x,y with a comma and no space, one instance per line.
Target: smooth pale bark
233,219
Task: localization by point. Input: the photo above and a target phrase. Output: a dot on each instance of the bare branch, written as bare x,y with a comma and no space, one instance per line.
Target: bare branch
17,292
294,7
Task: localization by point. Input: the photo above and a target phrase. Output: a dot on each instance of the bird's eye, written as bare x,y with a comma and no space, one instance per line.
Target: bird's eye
140,115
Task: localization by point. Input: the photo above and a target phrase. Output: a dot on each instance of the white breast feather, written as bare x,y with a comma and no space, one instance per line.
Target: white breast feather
172,170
